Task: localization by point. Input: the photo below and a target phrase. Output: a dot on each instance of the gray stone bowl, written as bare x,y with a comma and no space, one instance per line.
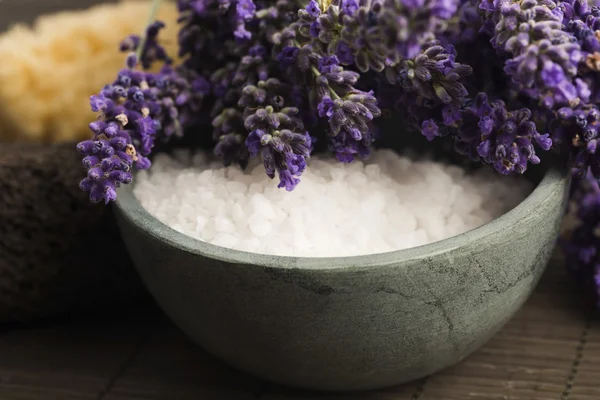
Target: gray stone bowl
349,323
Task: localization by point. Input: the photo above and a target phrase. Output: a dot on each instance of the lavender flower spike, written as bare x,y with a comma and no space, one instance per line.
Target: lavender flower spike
582,246
372,33
132,111
276,132
544,57
433,74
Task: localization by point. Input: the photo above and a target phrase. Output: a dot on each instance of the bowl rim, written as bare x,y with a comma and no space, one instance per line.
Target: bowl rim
554,181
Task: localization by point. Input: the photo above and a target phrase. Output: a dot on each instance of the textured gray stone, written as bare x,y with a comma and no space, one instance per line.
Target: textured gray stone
59,254
348,323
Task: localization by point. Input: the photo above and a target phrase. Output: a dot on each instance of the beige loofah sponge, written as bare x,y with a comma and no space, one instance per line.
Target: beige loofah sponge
49,71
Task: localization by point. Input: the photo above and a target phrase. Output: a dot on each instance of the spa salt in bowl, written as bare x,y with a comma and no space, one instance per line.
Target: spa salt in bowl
346,323
389,203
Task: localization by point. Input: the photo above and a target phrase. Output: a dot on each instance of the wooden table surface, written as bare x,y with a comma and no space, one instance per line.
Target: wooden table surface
549,350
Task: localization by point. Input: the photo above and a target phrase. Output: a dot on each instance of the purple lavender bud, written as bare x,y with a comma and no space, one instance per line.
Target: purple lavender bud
95,173
98,103
313,9
124,80
241,33
112,129
118,143
118,91
86,147
429,129
287,180
142,162
288,56
544,57
96,193
86,184
90,161
486,124
432,75
108,164
451,115
315,29
131,61
543,141
118,176
107,151
131,43
484,149
97,127
136,95
326,108
349,7
110,192
328,64
245,9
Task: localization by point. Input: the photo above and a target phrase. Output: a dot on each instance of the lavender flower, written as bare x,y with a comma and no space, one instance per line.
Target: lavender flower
465,27
434,74
152,51
232,81
276,132
373,34
133,110
264,73
209,29
577,129
126,125
488,132
333,92
283,151
544,57
581,247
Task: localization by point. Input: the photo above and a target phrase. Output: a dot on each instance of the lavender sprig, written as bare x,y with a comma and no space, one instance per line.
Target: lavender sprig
333,93
434,74
276,132
544,58
582,245
133,110
371,34
487,131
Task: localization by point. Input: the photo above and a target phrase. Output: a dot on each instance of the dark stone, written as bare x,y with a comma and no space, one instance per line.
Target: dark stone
59,254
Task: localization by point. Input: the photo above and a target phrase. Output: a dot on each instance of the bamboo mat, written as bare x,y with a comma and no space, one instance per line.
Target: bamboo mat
549,351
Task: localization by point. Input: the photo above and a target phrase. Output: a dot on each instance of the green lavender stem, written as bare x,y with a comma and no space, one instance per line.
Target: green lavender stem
151,18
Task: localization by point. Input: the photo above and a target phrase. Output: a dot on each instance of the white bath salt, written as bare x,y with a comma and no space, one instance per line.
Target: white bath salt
388,203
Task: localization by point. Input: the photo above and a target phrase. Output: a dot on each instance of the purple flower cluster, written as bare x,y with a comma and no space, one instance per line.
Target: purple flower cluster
371,34
126,126
276,132
486,131
582,247
503,80
544,58
133,111
433,74
283,151
152,51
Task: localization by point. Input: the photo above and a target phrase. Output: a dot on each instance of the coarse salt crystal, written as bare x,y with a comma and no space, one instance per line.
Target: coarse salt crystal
224,224
389,203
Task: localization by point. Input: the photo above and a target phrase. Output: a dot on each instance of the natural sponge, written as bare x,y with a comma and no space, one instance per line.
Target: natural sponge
49,71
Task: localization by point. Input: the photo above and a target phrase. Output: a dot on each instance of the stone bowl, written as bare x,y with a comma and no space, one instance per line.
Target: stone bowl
348,323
